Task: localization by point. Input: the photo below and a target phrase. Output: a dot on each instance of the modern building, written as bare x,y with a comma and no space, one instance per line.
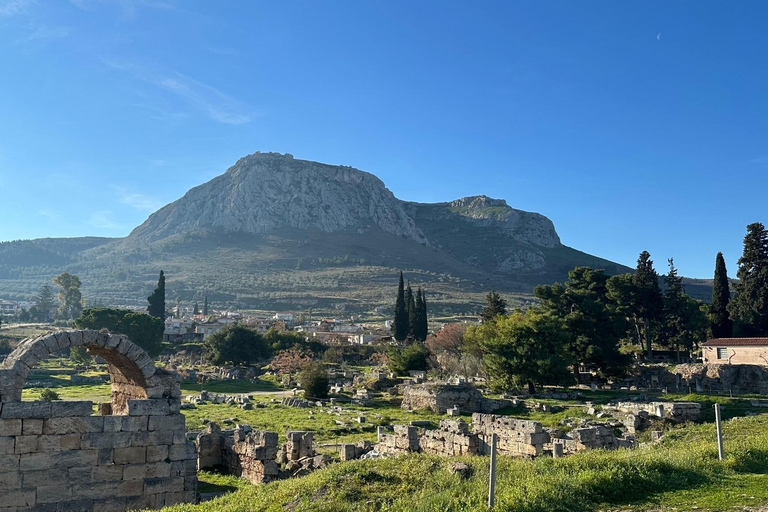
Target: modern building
735,351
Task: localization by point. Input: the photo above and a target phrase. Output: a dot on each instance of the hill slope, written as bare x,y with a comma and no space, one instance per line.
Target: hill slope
274,232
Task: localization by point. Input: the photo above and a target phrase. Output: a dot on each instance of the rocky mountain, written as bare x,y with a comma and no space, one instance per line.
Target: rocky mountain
275,232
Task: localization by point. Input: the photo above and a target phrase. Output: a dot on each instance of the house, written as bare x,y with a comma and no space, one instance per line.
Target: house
735,351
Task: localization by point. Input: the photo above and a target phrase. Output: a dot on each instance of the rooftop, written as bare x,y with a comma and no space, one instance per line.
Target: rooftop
736,342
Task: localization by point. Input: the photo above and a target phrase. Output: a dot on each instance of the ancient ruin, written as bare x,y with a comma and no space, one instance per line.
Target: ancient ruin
442,397
59,456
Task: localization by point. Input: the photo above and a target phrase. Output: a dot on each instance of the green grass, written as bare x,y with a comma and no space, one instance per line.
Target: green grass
263,383
681,473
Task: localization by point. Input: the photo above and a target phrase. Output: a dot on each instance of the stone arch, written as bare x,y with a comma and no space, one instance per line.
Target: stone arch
131,371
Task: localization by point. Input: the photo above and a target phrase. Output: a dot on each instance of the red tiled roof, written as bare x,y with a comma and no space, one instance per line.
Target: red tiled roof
736,342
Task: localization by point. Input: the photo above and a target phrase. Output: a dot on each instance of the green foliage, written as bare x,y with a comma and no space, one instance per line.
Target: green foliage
750,305
314,381
495,306
684,323
142,329
412,357
410,305
236,344
79,355
400,324
44,303
49,395
524,349
650,303
156,300
721,323
420,327
278,340
69,296
593,326
5,347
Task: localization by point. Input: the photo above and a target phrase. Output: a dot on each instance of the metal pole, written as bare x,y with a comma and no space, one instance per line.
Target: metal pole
492,483
719,427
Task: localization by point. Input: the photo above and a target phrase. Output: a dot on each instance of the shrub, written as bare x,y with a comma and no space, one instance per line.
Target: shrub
49,395
413,357
314,380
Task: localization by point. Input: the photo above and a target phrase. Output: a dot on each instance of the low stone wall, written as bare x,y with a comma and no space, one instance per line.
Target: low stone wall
442,397
56,455
593,437
247,453
675,411
519,438
452,438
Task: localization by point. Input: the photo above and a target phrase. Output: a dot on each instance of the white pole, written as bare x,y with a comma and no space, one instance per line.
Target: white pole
719,427
492,483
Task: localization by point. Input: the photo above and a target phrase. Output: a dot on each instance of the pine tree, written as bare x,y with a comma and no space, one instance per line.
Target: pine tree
495,306
69,296
750,305
400,323
157,299
45,302
410,304
650,301
721,323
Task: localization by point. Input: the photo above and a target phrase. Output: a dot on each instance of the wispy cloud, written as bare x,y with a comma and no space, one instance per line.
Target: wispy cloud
14,7
217,105
45,34
49,214
141,202
128,8
102,219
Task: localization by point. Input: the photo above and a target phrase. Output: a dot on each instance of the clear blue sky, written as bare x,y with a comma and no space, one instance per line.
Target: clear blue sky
633,125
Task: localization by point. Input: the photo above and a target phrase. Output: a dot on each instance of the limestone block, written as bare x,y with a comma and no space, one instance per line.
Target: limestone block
31,427
53,493
73,425
157,453
135,472
113,423
62,409
159,470
150,438
163,485
19,498
149,407
106,440
26,444
132,455
14,410
10,427
9,463
174,422
7,445
10,481
182,452
64,459
85,475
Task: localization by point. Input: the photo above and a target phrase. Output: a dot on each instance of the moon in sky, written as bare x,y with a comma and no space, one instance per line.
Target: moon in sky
658,36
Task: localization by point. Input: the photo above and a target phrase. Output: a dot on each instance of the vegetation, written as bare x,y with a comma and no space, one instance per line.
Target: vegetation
452,353
142,329
749,308
684,322
157,299
400,324
412,357
236,344
683,473
721,323
495,306
49,395
314,381
69,295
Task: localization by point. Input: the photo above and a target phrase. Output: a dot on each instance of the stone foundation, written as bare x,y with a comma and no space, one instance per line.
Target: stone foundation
442,397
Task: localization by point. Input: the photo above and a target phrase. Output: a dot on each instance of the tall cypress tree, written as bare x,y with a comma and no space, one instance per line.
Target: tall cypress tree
650,301
410,305
421,330
750,305
205,305
157,299
400,323
721,323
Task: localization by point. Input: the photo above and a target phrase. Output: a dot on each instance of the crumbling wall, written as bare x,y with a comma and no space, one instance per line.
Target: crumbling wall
593,437
675,411
519,438
738,378
452,438
250,454
442,397
57,456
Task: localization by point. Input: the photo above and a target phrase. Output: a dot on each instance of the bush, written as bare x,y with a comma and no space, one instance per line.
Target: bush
236,344
314,380
49,395
413,357
143,330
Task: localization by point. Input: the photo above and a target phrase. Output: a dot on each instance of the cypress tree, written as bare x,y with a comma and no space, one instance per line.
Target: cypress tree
205,305
410,305
157,299
750,305
400,323
421,330
721,323
650,301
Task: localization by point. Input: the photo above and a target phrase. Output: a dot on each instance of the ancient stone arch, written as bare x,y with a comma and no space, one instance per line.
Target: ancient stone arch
131,370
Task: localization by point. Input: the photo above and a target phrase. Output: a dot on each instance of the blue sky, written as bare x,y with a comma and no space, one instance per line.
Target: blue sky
633,125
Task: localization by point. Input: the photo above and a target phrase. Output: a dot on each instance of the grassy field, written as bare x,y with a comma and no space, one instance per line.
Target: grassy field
680,473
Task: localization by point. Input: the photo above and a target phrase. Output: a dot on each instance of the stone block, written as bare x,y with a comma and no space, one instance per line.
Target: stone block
26,444
113,423
74,425
132,455
61,409
7,445
106,456
157,453
9,463
10,481
52,443
174,422
163,485
16,410
135,472
19,498
159,469
164,437
149,407
32,427
86,475
134,423
106,440
64,459
182,452
10,427
53,493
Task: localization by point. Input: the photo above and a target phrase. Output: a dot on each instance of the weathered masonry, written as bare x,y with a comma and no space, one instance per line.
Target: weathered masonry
58,456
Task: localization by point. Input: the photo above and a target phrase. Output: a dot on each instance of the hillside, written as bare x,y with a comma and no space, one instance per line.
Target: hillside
274,232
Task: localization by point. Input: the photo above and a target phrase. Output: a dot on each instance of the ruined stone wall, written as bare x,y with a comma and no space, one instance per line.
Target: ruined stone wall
594,437
56,454
675,411
739,378
441,397
452,438
519,438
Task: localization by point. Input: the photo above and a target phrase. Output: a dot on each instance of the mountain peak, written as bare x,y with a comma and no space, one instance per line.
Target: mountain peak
478,202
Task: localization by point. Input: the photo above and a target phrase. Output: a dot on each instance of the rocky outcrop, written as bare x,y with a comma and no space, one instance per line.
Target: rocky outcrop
263,192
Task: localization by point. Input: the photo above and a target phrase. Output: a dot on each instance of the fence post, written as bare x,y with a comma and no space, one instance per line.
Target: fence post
719,427
492,483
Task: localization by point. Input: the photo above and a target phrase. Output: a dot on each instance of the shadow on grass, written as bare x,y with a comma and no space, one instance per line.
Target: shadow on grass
230,386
